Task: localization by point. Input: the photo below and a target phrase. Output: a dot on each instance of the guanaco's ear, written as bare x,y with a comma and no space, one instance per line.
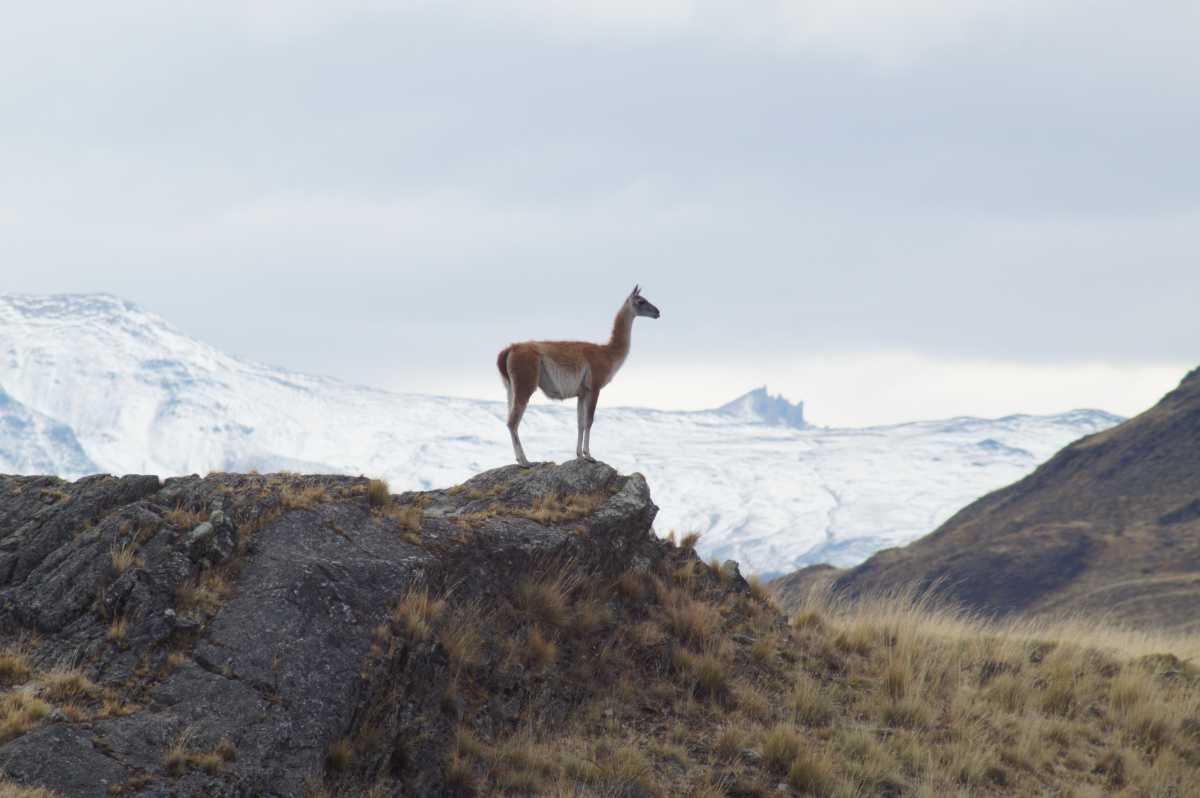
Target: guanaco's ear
636,291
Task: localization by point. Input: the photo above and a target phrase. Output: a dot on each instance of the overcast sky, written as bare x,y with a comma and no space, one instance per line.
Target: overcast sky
892,209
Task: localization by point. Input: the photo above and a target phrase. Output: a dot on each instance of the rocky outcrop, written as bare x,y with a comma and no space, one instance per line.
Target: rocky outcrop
242,634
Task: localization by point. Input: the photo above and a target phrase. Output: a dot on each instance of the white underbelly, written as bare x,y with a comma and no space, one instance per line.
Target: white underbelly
558,382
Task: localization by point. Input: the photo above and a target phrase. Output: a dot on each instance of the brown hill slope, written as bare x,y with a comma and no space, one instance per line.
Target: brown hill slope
1111,525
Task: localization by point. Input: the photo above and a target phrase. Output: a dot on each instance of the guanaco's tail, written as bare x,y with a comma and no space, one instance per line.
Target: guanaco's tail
502,363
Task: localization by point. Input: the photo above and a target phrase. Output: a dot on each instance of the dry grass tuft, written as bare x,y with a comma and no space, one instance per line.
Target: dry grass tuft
557,509
409,516
760,591
416,613
542,652
460,775
302,497
810,774
781,746
547,599
123,558
810,702
63,685
20,712
180,757
378,493
692,620
10,789
118,630
688,542
729,743
339,755
712,678
205,594
462,637
226,750
185,518
631,586
14,664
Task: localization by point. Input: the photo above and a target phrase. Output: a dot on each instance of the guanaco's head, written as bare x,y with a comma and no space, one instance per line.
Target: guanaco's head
642,306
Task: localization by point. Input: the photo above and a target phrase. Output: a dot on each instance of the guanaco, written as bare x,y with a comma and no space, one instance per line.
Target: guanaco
563,369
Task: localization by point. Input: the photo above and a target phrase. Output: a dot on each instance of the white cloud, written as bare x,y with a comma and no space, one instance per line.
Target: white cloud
886,32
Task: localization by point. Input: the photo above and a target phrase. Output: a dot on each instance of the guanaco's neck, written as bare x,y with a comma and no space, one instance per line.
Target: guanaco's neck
618,344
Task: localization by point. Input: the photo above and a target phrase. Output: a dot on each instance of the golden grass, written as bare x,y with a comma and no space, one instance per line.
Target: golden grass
339,755
546,599
544,510
810,774
699,690
462,637
123,558
118,630
693,621
179,757
62,685
416,612
378,493
631,585
781,746
20,712
409,517
205,594
1100,707
760,591
810,702
302,497
711,675
541,652
556,509
184,517
9,789
665,681
14,663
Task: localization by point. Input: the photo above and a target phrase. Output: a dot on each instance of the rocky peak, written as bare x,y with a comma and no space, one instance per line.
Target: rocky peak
227,635
759,406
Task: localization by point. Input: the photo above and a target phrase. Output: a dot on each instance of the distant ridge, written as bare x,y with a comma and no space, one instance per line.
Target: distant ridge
1109,525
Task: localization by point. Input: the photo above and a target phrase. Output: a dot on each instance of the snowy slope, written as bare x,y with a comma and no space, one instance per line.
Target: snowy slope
763,488
31,443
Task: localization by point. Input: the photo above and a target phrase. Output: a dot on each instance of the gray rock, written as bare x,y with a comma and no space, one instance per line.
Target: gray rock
281,660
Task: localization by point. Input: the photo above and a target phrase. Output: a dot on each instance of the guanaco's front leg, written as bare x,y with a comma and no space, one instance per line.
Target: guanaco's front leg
590,410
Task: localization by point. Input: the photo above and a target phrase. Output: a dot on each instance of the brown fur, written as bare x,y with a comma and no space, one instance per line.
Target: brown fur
563,369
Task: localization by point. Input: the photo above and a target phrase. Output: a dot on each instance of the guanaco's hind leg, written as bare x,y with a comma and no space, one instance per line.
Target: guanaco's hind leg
522,382
581,421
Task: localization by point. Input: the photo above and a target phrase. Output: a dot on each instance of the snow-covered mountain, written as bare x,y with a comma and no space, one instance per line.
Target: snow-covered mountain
31,443
95,383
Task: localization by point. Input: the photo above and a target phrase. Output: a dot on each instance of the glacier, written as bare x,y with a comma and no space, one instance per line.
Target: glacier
94,383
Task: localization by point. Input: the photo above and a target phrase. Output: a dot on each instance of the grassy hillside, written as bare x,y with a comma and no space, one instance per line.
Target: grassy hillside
1110,525
687,685
676,681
